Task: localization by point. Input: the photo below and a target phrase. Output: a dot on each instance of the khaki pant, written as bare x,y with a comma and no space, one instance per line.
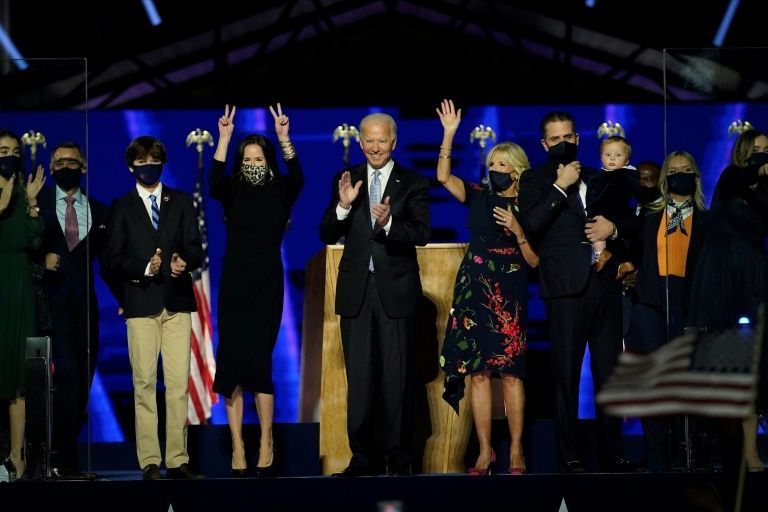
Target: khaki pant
167,334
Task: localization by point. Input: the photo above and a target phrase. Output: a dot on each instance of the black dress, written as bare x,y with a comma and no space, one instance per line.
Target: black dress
251,288
487,324
733,258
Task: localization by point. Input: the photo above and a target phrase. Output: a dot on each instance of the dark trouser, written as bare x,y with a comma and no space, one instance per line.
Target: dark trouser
377,355
649,331
74,368
594,316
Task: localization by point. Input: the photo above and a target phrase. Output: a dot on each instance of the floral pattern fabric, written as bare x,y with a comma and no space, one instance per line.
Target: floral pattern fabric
486,328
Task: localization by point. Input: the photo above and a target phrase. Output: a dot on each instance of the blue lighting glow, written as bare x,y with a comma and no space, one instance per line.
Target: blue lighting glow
725,24
11,50
152,14
744,321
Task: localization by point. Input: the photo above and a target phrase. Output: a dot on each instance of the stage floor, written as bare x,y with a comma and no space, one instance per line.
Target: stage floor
117,491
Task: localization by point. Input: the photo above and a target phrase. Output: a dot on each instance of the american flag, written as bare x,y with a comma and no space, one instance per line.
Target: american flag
203,363
705,375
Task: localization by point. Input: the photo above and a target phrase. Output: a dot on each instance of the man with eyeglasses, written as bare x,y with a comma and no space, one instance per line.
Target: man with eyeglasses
75,234
583,306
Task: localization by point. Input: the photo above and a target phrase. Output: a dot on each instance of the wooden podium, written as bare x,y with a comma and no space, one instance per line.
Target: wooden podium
323,394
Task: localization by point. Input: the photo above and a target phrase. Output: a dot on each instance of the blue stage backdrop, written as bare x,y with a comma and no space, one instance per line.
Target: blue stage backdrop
700,130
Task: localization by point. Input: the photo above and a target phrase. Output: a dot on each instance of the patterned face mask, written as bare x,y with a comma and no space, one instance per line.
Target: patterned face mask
256,175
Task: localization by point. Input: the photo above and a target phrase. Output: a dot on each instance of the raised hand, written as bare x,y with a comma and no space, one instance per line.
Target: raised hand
347,192
5,196
226,122
506,218
450,117
178,265
282,123
154,262
35,185
381,212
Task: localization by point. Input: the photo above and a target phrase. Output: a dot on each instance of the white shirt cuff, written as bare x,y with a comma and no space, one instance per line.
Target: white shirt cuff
561,190
342,213
146,270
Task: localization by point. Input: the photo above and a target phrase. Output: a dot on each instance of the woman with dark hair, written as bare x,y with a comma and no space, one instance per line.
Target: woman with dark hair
731,275
257,203
668,247
20,230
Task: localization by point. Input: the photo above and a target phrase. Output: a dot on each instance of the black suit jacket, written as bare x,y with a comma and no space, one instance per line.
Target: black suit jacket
68,287
557,222
648,289
132,242
394,255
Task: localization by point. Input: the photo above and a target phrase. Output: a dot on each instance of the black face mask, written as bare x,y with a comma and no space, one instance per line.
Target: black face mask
10,165
563,152
759,159
148,174
500,181
67,178
682,183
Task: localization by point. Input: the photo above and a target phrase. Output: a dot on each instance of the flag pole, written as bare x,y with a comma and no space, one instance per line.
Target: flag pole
480,133
202,364
345,132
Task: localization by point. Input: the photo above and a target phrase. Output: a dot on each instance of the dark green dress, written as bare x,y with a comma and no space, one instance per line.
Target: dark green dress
18,232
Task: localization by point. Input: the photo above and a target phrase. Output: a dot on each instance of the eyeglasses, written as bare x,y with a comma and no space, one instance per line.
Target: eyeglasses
568,137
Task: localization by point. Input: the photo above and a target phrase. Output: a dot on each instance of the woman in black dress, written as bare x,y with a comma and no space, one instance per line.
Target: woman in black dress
731,274
257,202
486,331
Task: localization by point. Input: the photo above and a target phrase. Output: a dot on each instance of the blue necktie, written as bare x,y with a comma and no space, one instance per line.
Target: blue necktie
375,198
155,211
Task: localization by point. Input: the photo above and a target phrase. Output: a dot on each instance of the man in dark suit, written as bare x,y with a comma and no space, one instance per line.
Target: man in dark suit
75,234
583,305
381,209
154,241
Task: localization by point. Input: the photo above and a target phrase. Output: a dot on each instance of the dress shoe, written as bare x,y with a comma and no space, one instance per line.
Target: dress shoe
625,268
399,470
239,473
621,464
573,466
483,471
183,472
518,470
354,470
151,472
72,474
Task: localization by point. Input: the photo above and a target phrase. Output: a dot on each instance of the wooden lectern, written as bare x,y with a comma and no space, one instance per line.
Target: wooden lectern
323,392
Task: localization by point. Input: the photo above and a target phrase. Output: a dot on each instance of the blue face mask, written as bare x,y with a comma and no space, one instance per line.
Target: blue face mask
148,174
500,181
10,165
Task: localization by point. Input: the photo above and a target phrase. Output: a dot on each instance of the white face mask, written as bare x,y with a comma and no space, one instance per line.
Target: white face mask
256,175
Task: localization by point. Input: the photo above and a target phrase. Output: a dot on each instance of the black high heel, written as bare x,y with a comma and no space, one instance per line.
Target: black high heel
267,471
239,473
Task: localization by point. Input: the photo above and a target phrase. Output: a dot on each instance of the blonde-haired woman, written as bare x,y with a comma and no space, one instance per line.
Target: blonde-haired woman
669,246
486,331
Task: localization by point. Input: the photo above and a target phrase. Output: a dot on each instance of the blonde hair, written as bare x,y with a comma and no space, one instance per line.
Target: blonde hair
698,194
616,139
512,155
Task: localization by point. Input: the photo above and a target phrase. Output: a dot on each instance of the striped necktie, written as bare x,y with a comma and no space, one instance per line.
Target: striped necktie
155,211
375,198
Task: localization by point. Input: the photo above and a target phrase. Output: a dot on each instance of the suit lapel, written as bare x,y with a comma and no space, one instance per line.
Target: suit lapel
166,203
393,184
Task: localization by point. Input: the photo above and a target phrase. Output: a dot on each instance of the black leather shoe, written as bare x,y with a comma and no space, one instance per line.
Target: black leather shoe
72,474
151,472
354,470
573,466
399,470
266,472
183,472
239,473
621,465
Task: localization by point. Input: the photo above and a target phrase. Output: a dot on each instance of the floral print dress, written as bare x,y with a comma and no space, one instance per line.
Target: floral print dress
487,323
